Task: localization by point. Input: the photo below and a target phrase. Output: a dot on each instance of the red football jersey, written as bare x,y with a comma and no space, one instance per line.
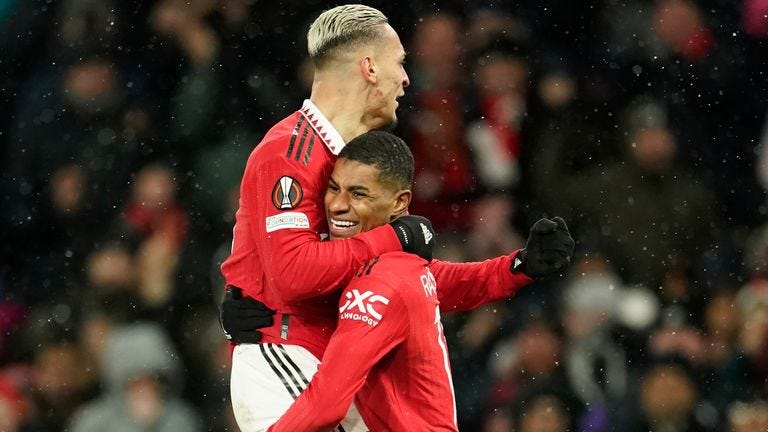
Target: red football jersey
279,259
277,256
388,353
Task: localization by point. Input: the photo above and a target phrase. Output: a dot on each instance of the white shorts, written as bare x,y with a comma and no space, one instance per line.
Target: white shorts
265,380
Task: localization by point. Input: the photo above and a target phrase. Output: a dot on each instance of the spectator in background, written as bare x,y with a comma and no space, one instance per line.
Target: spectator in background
434,130
545,408
467,141
77,147
748,416
501,80
142,377
725,370
111,281
64,378
495,140
692,58
595,364
752,307
155,226
668,400
51,368
533,356
754,17
641,212
11,319
752,303
17,411
60,235
152,210
89,120
225,97
135,279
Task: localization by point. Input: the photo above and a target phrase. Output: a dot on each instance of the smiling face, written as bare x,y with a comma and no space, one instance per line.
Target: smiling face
358,200
390,81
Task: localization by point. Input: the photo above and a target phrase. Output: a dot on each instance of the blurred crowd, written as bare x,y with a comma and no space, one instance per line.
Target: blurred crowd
125,126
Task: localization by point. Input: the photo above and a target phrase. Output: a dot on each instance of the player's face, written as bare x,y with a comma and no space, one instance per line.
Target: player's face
356,200
391,80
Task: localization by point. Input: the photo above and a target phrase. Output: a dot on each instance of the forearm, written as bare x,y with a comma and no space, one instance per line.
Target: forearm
294,259
300,266
465,286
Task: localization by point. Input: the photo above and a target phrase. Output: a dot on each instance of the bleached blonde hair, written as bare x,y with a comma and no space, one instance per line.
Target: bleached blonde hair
342,27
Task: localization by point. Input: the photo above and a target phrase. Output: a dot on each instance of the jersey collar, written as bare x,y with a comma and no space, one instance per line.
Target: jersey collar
323,127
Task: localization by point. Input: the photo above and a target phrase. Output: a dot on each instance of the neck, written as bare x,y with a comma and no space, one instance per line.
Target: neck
342,103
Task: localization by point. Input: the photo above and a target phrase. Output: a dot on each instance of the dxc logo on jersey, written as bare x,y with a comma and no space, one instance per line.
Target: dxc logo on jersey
359,307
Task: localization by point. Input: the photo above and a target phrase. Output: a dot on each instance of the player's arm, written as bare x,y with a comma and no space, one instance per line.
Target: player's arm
465,286
355,347
295,260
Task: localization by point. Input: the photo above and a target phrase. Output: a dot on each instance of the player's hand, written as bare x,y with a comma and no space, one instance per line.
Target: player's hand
548,251
241,316
416,235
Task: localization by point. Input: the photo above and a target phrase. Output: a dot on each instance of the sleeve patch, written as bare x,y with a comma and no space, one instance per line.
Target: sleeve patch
287,193
287,220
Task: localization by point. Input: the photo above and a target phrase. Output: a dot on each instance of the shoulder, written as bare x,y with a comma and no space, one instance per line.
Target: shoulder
372,282
278,136
398,273
293,138
406,263
369,300
389,289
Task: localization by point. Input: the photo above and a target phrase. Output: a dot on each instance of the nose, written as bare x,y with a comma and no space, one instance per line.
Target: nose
339,203
406,80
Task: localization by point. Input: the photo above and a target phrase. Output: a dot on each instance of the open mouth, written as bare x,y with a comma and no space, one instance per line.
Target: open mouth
343,228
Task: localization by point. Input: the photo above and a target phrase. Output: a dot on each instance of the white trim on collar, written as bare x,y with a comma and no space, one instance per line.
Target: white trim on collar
323,127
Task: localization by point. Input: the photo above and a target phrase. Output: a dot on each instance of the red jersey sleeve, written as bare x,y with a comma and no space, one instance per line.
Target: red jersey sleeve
466,286
295,262
373,320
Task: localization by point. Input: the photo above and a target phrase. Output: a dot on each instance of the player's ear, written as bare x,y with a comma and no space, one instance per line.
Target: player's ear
401,203
368,69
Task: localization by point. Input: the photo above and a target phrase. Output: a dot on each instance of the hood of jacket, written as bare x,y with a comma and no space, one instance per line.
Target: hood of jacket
137,350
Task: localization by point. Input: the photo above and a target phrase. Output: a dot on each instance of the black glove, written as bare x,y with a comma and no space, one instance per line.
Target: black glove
416,235
240,316
548,251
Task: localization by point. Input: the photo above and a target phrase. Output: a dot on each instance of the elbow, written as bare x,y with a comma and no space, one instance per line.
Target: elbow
293,284
286,290
295,290
286,283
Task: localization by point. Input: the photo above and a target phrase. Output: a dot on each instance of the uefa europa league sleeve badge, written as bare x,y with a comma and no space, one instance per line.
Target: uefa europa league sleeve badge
287,193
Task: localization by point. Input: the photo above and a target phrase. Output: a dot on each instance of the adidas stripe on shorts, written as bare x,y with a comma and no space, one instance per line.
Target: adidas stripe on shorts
265,380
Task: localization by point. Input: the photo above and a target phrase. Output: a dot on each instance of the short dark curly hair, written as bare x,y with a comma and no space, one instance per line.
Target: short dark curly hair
385,151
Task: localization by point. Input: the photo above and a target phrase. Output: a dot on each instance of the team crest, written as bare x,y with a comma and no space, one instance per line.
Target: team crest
287,193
